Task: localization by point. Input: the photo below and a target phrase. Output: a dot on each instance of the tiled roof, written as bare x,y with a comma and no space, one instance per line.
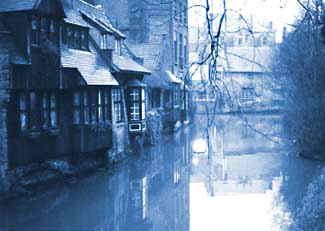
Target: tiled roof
90,66
248,59
108,25
103,24
157,79
126,64
74,17
17,5
172,78
97,16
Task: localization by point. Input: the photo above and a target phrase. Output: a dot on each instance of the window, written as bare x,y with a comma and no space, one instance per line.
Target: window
134,104
86,108
75,37
247,93
49,117
176,175
70,37
94,106
53,111
117,102
181,64
37,110
84,40
77,108
143,107
100,107
185,50
107,106
23,111
35,32
46,109
175,48
34,111
52,26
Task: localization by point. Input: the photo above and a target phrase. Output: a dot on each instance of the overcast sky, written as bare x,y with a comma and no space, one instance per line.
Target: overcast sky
280,12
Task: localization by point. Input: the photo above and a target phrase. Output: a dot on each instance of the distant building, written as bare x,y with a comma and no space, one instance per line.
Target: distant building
243,69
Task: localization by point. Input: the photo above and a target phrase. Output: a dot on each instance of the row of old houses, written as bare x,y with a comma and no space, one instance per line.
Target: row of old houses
72,87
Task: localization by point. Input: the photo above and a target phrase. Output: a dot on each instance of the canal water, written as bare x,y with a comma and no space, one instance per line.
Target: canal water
220,173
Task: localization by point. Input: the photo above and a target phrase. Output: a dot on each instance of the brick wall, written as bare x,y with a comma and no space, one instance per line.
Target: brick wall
4,100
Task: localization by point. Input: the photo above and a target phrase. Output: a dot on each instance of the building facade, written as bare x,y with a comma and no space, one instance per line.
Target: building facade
68,92
157,32
242,74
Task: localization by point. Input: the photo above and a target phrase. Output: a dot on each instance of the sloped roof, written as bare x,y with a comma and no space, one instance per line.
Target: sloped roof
74,17
172,78
110,27
149,53
247,59
90,66
17,5
124,63
97,16
22,5
157,79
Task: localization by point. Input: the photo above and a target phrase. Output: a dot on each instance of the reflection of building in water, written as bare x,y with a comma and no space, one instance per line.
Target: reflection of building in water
240,159
150,193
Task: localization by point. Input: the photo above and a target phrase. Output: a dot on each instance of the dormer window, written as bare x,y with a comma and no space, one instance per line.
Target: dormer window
75,37
43,27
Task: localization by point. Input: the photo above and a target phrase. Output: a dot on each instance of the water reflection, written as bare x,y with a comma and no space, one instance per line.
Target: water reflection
150,192
232,184
228,173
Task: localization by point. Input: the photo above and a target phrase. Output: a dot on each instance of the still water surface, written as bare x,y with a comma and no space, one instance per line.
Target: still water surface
226,175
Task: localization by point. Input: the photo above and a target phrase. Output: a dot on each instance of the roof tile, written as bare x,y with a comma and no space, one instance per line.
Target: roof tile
124,63
17,5
91,67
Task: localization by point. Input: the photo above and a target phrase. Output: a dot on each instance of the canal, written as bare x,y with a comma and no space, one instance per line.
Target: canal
220,173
